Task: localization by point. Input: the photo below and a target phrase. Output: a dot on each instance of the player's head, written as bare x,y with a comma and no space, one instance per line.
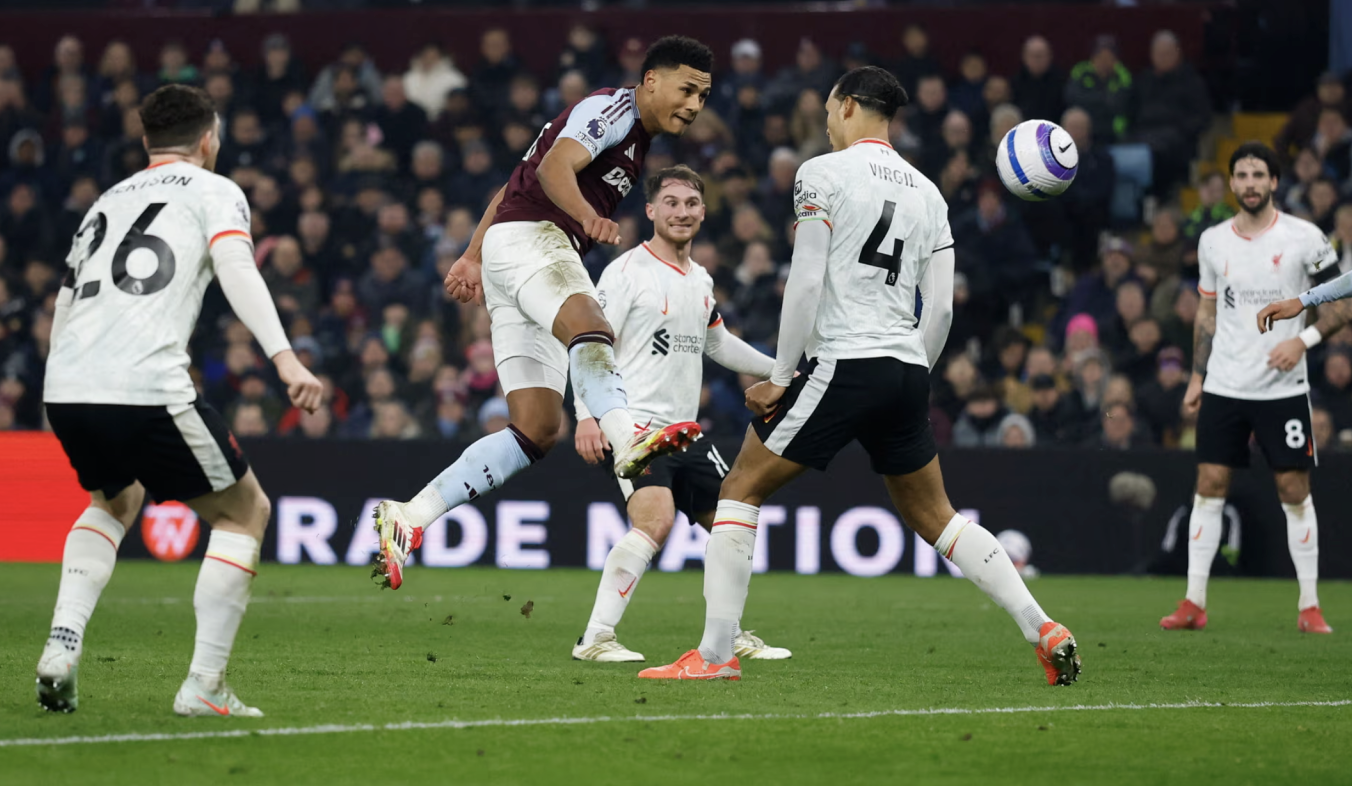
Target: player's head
862,99
676,83
675,203
181,119
1253,176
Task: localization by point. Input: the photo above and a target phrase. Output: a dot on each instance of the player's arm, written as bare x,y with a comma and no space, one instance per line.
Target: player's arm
731,352
802,297
1203,336
557,173
464,281
1332,292
936,295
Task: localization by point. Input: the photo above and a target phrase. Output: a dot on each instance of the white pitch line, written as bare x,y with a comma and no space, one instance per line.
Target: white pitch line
500,722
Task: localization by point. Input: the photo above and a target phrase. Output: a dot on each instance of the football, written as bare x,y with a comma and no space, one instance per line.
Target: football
1037,160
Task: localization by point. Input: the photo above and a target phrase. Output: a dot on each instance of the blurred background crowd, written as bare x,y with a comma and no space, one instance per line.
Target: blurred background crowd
1073,318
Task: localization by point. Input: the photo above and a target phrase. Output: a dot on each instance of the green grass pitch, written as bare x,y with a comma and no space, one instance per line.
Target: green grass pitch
323,647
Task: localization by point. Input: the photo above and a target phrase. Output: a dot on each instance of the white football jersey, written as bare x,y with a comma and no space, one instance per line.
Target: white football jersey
660,314
886,221
141,263
1244,274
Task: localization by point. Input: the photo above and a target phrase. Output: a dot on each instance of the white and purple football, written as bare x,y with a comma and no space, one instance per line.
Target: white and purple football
1037,160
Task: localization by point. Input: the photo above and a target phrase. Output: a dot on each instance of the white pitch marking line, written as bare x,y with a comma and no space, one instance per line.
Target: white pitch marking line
496,722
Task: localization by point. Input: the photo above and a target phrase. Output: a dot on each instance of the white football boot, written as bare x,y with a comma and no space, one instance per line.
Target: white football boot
397,539
605,649
196,700
752,648
58,673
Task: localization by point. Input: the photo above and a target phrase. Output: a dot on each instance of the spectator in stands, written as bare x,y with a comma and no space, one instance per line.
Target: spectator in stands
746,72
254,392
246,146
1334,391
1117,429
1161,400
1005,371
1291,191
294,288
15,115
1015,431
1321,199
1211,209
1039,88
956,135
117,65
9,63
917,63
1055,419
927,114
572,88
808,125
1129,308
491,78
952,391
402,122
1303,121
175,66
1160,261
431,74
72,106
1102,87
1333,143
28,165
999,249
1341,238
248,421
979,423
1096,293
1086,205
67,60
278,75
587,53
330,95
1326,437
967,93
775,195
478,180
1171,108
810,71
389,281
25,225
630,58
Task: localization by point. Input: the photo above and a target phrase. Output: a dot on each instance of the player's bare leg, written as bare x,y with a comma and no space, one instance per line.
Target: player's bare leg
923,504
755,475
1302,537
582,327
86,566
1204,538
484,467
653,512
238,517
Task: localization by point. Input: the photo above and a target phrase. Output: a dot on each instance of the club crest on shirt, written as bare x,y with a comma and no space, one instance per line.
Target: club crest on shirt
596,127
1277,261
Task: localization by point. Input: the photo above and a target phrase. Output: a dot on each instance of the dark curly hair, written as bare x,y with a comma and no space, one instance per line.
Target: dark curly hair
674,51
1259,151
176,116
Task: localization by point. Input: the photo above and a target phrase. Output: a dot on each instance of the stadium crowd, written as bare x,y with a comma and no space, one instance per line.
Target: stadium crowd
1072,327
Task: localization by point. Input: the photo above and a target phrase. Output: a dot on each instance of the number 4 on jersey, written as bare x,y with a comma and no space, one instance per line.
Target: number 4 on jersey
873,253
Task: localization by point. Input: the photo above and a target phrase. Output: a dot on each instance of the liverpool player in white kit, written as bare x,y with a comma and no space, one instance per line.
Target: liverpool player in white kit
872,230
1251,385
120,400
661,307
525,262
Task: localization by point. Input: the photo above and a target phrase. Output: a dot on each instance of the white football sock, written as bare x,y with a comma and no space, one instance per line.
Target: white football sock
1302,537
221,597
619,579
1204,538
484,467
727,577
982,559
86,565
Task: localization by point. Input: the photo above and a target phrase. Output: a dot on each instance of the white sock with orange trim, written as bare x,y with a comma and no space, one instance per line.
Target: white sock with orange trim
727,577
983,560
86,565
1302,537
625,565
1204,538
221,597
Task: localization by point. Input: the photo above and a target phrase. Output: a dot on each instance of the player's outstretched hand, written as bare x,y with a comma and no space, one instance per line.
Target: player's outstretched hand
464,282
590,442
1287,354
602,230
305,391
1192,399
763,398
1275,312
